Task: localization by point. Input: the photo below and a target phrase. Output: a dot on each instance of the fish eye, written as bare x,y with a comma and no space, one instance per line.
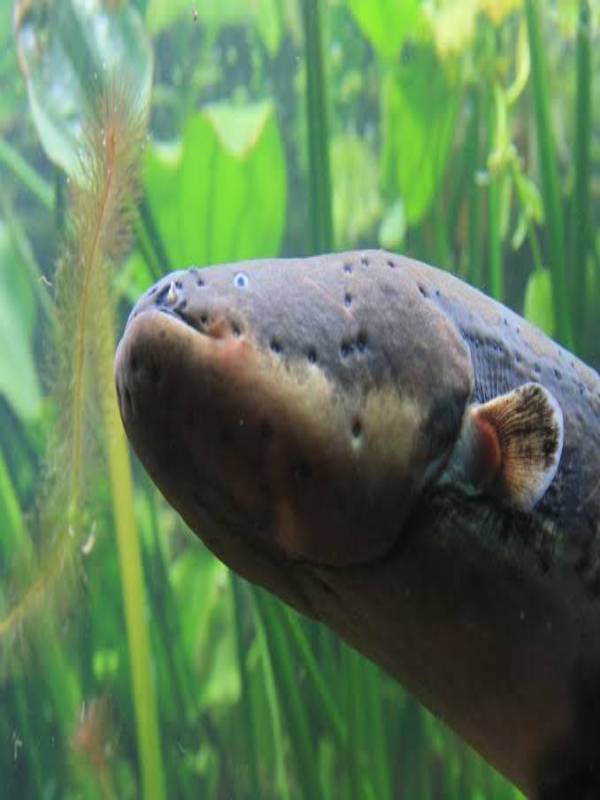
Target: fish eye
240,280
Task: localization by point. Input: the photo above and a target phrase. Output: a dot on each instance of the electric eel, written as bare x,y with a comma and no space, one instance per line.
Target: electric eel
394,454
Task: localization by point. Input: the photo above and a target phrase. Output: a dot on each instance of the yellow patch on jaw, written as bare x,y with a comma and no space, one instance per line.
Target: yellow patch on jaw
335,476
313,420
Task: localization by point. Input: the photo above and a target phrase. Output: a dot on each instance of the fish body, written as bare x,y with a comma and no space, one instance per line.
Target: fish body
341,430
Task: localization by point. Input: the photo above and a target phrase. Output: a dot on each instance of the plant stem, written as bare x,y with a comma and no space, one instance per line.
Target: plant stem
579,223
250,737
494,234
473,144
318,140
132,582
549,173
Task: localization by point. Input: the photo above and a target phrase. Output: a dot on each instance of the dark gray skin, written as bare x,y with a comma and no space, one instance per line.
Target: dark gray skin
300,419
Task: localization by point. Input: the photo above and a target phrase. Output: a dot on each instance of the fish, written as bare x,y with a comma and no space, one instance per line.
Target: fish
409,462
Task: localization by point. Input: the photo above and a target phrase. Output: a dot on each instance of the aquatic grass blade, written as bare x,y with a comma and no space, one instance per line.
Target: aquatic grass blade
581,195
319,172
549,173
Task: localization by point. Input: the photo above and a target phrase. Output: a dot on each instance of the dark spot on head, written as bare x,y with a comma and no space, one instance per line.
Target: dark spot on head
390,263
181,306
348,299
356,428
364,261
518,330
437,292
537,368
312,355
347,267
557,374
199,282
423,290
361,341
276,346
518,357
505,321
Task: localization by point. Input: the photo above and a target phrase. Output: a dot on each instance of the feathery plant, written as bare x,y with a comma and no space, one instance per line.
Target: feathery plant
99,218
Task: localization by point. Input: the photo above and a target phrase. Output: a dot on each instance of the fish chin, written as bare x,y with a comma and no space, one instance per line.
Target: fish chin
232,434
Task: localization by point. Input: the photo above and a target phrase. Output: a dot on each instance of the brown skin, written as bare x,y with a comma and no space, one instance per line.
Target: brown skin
299,418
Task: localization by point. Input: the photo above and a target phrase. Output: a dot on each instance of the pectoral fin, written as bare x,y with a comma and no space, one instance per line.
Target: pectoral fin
511,445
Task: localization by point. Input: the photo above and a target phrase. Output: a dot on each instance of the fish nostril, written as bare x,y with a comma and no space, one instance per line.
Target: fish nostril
236,330
276,346
162,294
312,355
347,299
356,428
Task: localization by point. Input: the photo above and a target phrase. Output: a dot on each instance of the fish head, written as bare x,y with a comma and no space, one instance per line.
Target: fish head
292,411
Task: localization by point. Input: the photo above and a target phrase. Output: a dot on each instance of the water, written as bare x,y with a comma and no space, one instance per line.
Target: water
133,664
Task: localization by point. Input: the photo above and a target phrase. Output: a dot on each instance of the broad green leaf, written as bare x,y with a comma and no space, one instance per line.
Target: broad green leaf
356,201
539,308
18,376
220,194
419,115
387,23
67,54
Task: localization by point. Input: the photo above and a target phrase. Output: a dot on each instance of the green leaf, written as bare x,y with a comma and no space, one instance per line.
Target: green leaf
220,194
419,115
67,53
539,308
419,118
18,376
356,201
387,23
